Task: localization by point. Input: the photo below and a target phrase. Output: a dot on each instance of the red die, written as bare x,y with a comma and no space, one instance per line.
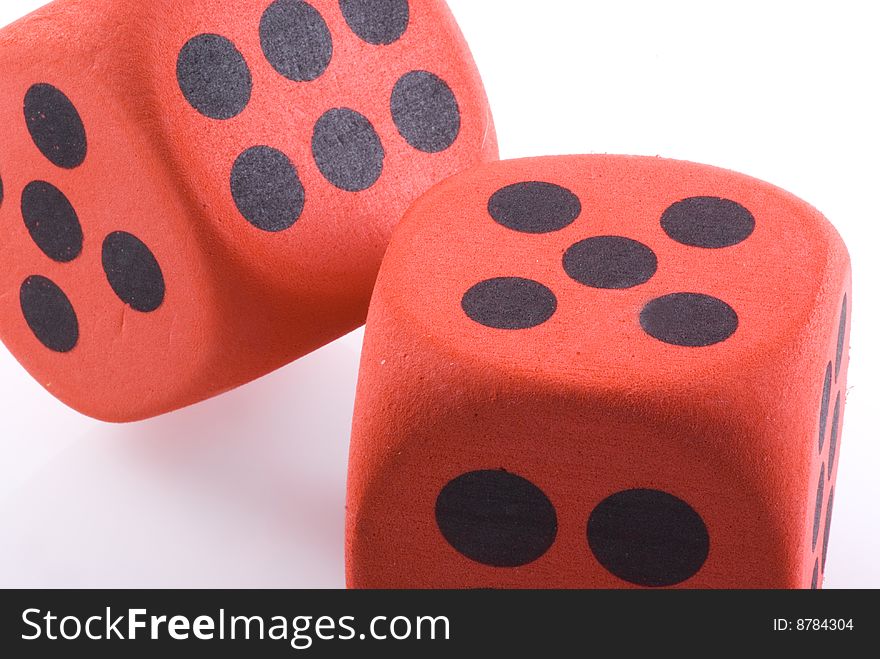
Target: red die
600,371
199,192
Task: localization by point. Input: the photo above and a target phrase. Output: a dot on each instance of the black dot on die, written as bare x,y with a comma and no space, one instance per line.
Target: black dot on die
378,22
709,222
820,499
648,537
823,410
835,434
55,126
51,221
267,189
213,76
296,40
49,314
534,207
133,272
689,319
841,339
1,191
827,533
814,584
509,303
347,150
496,518
425,112
611,262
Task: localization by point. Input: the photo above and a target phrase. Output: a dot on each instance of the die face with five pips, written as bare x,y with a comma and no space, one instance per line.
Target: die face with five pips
600,371
195,193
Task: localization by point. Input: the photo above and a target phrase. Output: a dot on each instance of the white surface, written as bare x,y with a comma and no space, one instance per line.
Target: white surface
248,489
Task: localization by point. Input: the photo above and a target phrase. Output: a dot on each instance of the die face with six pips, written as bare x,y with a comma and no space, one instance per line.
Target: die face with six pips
580,371
600,371
196,193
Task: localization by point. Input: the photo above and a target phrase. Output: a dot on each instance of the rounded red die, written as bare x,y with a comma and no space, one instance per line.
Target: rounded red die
600,371
196,193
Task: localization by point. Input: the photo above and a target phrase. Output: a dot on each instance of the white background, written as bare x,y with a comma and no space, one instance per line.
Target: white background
248,489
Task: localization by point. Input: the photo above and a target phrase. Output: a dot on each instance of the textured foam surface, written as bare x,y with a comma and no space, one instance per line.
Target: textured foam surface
601,371
195,193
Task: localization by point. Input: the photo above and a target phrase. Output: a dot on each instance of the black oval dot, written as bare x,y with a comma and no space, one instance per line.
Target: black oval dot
835,433
267,189
828,510
378,22
823,410
51,221
709,222
347,150
691,320
1,191
611,262
648,537
509,303
213,76
55,126
133,272
820,499
426,112
534,207
496,518
296,40
49,314
815,583
841,338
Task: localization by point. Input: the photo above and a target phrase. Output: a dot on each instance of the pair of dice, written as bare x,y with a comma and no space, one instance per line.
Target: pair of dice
577,372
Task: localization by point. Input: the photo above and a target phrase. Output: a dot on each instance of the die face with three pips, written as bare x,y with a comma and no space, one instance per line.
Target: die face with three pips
600,371
196,193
